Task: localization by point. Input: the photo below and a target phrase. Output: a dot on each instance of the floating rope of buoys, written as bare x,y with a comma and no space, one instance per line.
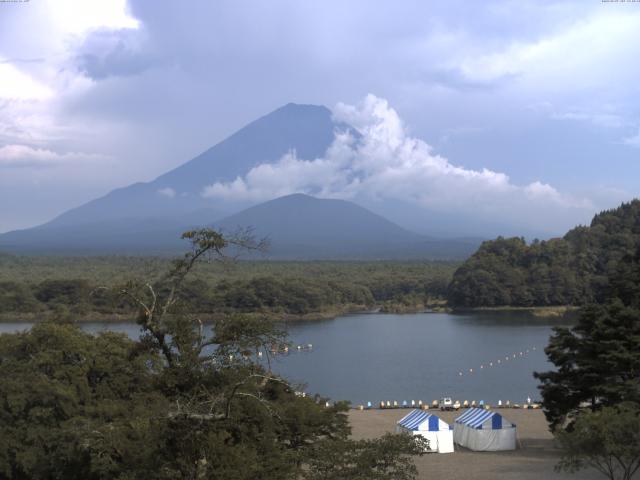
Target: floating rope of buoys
285,350
484,366
450,405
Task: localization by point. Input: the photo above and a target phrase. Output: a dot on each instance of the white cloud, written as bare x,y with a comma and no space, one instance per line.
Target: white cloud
20,86
104,81
633,141
607,120
26,156
167,192
544,192
387,163
79,16
567,59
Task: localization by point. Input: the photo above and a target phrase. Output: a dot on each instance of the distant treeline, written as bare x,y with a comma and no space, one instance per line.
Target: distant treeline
74,286
571,270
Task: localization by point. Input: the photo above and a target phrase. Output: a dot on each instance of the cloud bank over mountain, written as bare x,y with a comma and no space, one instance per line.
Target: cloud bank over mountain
384,162
540,91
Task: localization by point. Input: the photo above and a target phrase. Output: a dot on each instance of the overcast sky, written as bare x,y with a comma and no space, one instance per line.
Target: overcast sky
536,96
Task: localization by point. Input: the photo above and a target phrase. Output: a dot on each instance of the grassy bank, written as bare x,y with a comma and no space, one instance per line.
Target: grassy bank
547,311
97,317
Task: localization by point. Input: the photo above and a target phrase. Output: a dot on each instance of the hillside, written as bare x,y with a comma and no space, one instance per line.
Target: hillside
299,227
307,129
148,217
303,227
571,270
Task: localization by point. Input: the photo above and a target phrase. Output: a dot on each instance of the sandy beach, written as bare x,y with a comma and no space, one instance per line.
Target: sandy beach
534,460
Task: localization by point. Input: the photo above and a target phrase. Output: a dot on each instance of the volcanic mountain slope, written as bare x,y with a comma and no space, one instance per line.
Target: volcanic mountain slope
148,218
303,227
143,214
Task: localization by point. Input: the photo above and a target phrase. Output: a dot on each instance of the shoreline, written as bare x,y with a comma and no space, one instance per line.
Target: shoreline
332,314
96,317
542,311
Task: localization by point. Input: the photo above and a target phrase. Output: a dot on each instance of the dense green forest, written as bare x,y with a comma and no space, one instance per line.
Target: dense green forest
591,397
71,286
571,270
180,402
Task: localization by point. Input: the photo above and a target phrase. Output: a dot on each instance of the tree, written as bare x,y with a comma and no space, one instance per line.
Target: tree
73,405
607,440
598,360
572,270
186,401
386,458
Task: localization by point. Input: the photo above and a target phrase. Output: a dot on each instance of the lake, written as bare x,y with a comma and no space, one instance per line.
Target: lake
374,357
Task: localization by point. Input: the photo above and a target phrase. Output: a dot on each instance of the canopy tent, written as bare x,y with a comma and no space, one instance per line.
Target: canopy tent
484,431
429,426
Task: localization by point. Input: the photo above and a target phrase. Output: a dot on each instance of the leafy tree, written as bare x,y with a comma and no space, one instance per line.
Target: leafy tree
186,401
75,405
17,297
386,458
572,270
598,360
598,366
607,440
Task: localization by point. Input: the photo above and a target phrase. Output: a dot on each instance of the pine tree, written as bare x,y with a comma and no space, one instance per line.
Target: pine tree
598,360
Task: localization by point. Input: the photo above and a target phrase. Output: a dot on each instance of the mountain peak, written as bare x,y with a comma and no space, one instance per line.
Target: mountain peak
299,107
295,197
142,217
307,129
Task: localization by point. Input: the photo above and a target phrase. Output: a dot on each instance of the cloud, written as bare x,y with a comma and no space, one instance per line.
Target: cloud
108,53
386,163
633,141
607,120
26,156
153,87
565,60
18,85
78,17
167,192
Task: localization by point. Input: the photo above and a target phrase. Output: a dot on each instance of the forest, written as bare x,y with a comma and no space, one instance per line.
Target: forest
571,270
85,287
179,402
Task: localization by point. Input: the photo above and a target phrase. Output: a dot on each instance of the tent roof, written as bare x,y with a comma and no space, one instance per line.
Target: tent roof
415,418
476,417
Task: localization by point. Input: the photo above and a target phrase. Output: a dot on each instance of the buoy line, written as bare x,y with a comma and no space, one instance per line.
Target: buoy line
287,350
500,361
456,405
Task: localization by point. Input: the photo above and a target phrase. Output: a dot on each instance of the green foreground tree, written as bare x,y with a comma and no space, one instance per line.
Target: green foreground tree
185,401
380,459
592,400
598,360
607,440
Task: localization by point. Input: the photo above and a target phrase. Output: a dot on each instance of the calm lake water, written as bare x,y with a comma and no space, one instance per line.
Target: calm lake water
374,357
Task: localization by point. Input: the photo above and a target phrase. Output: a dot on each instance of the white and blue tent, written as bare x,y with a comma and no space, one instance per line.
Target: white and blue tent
484,431
429,426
